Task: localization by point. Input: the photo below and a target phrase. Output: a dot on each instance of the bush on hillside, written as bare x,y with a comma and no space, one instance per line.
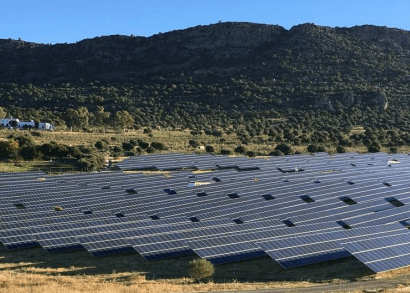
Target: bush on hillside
284,148
240,149
209,149
201,268
340,149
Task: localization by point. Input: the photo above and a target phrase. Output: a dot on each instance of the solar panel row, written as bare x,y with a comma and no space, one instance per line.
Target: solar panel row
297,209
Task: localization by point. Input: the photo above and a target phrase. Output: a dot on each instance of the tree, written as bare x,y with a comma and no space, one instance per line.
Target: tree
30,153
100,117
123,120
77,118
9,148
60,151
25,140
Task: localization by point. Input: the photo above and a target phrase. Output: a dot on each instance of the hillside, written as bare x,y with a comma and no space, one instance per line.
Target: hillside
225,76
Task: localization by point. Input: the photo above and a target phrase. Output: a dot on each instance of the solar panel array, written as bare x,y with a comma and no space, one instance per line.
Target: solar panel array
298,210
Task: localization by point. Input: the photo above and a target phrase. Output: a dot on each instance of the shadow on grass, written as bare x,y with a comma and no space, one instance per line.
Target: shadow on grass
37,260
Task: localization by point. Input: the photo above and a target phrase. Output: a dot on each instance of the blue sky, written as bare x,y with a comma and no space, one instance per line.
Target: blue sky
45,21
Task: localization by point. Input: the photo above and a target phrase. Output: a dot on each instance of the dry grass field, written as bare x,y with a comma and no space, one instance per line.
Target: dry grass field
175,140
34,270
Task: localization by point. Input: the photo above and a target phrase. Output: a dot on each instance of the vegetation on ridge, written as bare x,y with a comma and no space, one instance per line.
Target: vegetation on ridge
327,88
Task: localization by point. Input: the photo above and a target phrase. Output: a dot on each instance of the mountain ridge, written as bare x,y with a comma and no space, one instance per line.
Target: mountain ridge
233,70
189,49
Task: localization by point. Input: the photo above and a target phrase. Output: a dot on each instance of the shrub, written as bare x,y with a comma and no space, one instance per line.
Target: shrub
209,149
240,149
134,142
225,152
91,163
340,149
126,146
150,150
217,133
312,148
83,164
75,152
158,145
86,149
143,144
345,142
373,149
101,145
116,151
201,269
284,148
208,131
276,153
193,143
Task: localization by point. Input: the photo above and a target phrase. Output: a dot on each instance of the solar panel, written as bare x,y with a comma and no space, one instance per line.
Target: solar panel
382,253
69,238
320,245
156,247
104,238
243,246
228,219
